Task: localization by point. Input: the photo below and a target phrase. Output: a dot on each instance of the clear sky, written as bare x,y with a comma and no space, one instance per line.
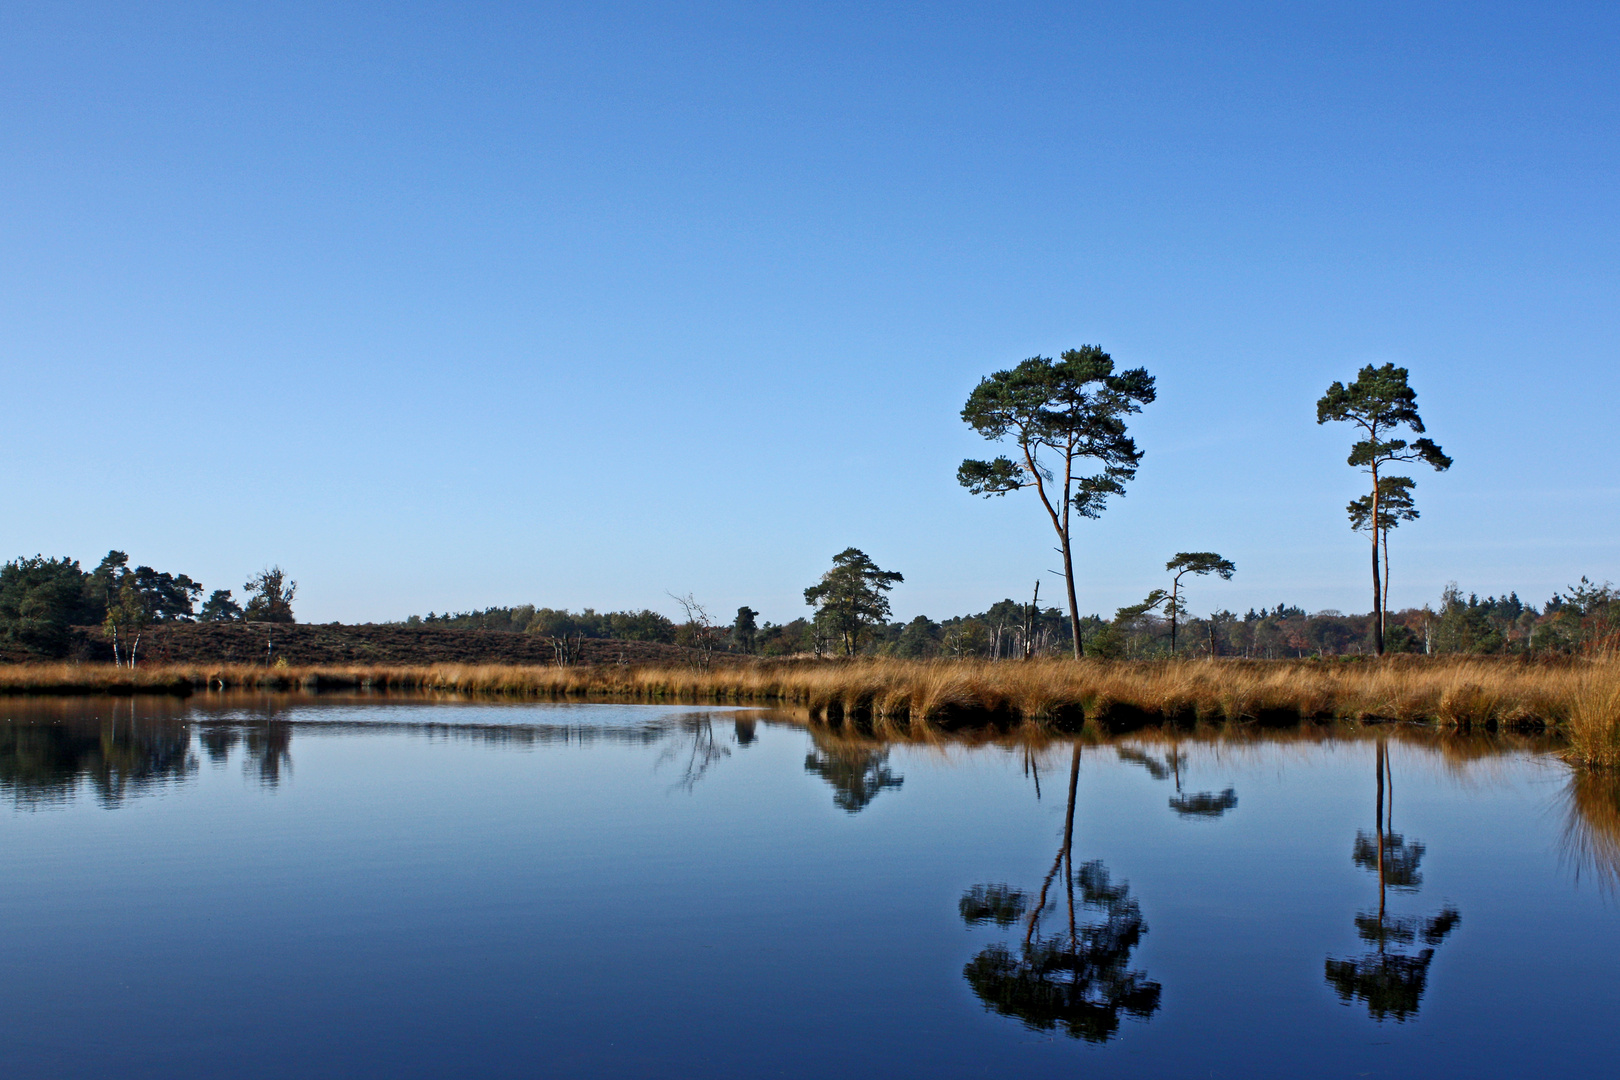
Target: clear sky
450,305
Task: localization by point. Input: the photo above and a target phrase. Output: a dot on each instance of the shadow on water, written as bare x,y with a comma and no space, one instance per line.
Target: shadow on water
1390,978
1076,977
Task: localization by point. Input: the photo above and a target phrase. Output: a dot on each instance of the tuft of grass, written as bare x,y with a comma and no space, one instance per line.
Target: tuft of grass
1593,720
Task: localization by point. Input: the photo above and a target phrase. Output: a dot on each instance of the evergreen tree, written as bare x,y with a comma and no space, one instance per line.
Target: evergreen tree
1380,403
850,596
1059,414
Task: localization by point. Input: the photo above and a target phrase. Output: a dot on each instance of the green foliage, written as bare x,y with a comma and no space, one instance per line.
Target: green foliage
219,607
40,599
1381,403
1059,415
270,596
643,625
1584,616
1131,612
919,640
1395,505
785,639
850,596
1108,643
1467,626
744,630
1191,562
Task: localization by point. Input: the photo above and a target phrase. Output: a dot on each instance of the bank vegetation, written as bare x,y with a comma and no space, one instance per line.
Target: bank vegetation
1581,695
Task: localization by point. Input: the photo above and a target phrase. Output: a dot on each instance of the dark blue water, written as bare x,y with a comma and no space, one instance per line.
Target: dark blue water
316,888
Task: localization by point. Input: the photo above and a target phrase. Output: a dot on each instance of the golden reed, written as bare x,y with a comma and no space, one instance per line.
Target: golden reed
1581,696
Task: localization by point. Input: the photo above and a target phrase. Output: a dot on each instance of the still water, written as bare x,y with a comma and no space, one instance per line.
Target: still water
286,886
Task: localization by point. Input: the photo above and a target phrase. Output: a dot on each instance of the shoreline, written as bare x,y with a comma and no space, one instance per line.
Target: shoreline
1451,691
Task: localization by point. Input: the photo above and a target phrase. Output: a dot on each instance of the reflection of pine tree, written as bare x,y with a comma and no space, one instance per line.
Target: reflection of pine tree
1400,859
1388,981
1196,804
857,775
121,754
1204,803
1078,977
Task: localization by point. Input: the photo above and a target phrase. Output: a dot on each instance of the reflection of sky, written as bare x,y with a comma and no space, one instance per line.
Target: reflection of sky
413,906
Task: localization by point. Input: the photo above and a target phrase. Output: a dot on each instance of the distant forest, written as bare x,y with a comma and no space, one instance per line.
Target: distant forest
1576,618
42,599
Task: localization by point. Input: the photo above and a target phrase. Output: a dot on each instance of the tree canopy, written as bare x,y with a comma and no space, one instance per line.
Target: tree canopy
1192,562
270,596
851,596
1381,403
1059,415
41,599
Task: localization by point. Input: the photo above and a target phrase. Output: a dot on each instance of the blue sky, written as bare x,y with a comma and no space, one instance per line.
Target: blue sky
442,306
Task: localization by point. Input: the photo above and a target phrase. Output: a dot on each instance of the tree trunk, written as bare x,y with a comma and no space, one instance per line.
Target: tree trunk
1175,586
1378,589
1378,601
1380,766
1383,612
1074,605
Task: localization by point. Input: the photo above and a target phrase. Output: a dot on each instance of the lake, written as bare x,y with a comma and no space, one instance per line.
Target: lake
243,885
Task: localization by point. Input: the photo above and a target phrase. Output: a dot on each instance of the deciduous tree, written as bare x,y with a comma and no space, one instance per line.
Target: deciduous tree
270,596
1059,414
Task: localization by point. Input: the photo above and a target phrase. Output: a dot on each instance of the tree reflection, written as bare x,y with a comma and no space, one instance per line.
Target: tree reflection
1387,979
1206,804
269,750
857,773
1198,804
121,754
1078,976
696,747
218,740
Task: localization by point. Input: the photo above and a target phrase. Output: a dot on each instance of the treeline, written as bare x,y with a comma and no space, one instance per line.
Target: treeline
42,599
1584,616
552,622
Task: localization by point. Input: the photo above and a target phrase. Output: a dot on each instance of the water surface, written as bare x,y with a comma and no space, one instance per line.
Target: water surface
279,885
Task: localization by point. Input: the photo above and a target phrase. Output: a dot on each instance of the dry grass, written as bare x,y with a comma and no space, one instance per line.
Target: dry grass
1583,695
1593,721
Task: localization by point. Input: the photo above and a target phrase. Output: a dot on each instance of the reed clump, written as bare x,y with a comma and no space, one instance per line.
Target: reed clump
1593,720
1580,695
